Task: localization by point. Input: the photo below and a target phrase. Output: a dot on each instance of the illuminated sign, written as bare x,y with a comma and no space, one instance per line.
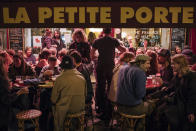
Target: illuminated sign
98,14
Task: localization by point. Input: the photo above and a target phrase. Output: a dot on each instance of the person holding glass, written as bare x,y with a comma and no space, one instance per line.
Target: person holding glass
19,68
6,97
51,69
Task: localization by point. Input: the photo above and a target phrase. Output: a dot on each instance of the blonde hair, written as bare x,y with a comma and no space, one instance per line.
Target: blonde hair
181,60
81,33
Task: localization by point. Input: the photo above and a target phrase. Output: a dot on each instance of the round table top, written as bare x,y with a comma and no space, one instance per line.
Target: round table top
152,85
28,114
47,85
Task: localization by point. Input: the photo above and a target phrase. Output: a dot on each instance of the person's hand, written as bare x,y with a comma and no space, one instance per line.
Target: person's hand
10,85
54,46
191,118
159,80
48,73
164,88
24,90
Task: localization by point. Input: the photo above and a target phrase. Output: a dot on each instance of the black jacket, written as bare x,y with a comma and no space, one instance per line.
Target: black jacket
6,100
84,71
84,49
183,101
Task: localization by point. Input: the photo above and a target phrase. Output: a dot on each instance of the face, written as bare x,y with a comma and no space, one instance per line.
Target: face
6,66
56,34
29,52
78,38
60,58
161,60
17,62
130,40
139,51
74,62
146,66
178,50
145,43
52,64
175,66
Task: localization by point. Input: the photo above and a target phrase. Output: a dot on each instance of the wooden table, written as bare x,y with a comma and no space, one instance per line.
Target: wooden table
49,84
150,86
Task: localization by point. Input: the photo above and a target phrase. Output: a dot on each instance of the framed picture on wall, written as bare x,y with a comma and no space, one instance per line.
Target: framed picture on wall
178,37
16,39
1,40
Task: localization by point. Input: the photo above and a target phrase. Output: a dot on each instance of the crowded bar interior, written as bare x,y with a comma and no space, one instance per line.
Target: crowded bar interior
97,66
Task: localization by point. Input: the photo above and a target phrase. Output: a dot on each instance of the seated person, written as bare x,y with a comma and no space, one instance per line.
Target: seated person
77,60
125,58
7,57
131,89
19,68
166,70
6,97
180,107
68,93
61,53
43,60
29,57
51,69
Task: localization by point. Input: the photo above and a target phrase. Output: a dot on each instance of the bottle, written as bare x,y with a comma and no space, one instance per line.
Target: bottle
153,79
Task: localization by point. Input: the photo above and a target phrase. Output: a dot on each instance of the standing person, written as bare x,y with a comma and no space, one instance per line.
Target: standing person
91,38
104,70
130,41
145,44
81,45
6,98
47,39
57,40
68,94
77,60
132,89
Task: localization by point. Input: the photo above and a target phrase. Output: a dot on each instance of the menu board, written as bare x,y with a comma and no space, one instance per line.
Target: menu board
178,37
152,35
16,38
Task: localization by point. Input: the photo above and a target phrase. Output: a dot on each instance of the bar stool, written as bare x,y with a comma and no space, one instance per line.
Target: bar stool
71,116
131,119
32,115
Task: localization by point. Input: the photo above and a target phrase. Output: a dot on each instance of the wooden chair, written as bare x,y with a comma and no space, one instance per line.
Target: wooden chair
115,114
79,116
169,128
32,115
131,119
89,114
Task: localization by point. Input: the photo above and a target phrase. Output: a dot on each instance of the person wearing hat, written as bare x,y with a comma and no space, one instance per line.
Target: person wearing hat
68,93
131,89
